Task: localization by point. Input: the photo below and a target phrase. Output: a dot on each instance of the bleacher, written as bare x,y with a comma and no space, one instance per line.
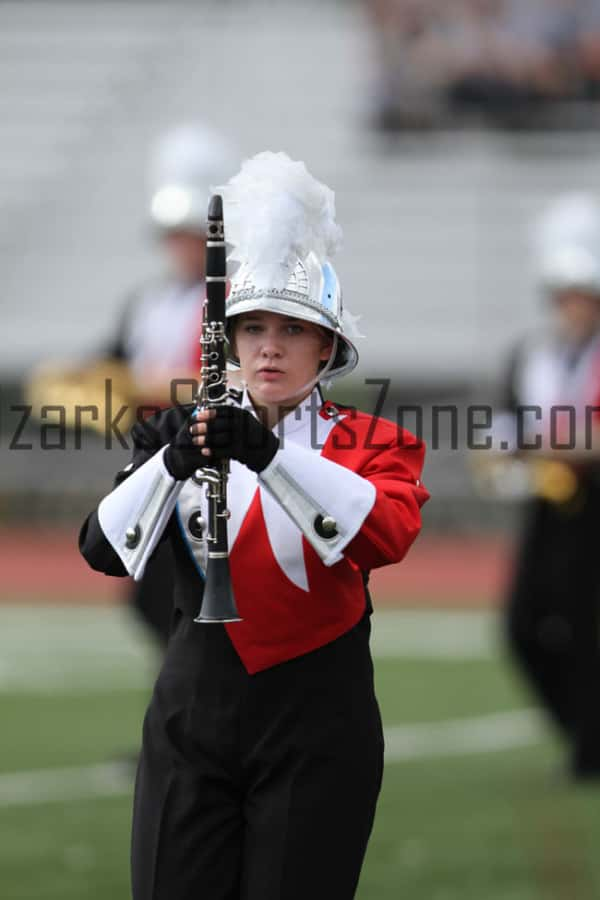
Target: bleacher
434,252
435,227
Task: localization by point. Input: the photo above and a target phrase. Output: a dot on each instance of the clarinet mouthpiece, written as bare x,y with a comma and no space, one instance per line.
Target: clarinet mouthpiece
215,207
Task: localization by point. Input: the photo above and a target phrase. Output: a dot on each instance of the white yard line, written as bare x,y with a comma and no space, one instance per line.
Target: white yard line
484,734
85,650
63,650
435,634
61,785
456,737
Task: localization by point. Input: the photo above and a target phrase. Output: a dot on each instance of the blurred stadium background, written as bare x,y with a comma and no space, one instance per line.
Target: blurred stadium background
436,257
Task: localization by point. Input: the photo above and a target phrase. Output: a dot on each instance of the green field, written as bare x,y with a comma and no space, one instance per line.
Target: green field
475,805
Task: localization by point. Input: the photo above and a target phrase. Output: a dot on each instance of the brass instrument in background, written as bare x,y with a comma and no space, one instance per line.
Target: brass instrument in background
105,385
508,476
108,386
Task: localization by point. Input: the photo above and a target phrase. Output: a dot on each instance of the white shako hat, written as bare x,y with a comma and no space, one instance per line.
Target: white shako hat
184,163
281,224
568,245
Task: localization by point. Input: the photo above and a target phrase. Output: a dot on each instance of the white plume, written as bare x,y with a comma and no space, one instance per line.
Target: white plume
350,325
275,212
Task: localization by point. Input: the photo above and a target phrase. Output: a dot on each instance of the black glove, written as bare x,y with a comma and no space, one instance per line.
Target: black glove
235,433
182,457
232,434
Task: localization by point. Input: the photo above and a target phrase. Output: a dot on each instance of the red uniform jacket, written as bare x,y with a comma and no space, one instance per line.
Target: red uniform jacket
291,600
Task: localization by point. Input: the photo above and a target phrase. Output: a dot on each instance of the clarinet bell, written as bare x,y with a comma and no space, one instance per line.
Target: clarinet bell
218,602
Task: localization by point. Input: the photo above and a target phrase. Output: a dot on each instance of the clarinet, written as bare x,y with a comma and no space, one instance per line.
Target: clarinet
218,602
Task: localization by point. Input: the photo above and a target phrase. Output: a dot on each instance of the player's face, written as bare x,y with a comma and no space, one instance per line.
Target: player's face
578,313
279,356
186,254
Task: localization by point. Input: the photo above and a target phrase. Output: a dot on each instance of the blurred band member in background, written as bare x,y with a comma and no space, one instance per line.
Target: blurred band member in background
159,331
156,343
554,601
184,164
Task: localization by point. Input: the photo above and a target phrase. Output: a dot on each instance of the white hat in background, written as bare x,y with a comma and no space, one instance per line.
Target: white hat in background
185,163
568,244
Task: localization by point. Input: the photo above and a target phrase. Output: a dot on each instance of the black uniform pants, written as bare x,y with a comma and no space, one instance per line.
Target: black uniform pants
147,597
256,787
553,618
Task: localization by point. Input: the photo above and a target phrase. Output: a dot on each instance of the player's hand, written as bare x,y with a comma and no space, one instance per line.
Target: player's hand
229,432
226,432
182,457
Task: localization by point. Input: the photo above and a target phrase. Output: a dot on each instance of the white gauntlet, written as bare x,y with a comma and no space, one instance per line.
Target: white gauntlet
327,501
134,515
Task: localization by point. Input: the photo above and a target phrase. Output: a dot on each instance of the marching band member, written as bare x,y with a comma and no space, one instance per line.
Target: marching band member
553,613
184,162
263,748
